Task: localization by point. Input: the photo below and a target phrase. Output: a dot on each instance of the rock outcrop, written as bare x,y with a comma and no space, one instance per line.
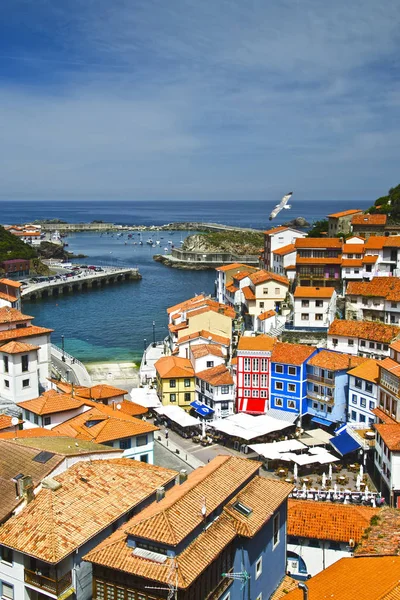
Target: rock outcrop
298,222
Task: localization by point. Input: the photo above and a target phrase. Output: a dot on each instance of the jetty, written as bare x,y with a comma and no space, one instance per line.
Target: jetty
66,228
79,282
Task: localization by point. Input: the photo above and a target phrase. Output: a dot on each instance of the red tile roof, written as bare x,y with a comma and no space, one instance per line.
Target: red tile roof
353,248
318,261
257,343
383,536
232,266
201,350
263,276
52,402
369,220
174,366
5,423
352,262
248,293
318,243
219,375
390,433
375,242
335,361
12,334
207,336
345,213
10,283
368,370
380,287
313,292
17,347
266,315
366,330
12,315
285,250
291,354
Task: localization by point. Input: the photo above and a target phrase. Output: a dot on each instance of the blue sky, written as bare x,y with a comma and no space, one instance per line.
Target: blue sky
199,99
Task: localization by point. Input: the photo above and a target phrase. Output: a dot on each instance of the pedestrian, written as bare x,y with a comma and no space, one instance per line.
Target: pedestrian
166,434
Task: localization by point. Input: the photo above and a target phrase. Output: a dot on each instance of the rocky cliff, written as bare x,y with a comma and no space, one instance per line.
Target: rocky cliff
237,242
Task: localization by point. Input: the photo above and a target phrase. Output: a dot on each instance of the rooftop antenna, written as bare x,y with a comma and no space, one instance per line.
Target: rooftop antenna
242,575
172,584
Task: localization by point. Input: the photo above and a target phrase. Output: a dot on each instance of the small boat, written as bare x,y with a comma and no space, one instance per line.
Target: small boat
170,242
158,242
166,249
140,243
150,242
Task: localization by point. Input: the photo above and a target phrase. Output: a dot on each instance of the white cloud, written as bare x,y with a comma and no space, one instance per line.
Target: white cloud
225,98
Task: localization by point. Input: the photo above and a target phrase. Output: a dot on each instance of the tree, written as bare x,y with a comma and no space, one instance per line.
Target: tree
318,228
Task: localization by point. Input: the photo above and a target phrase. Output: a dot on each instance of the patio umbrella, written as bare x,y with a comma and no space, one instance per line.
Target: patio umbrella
323,480
330,471
358,482
304,488
335,490
361,471
295,472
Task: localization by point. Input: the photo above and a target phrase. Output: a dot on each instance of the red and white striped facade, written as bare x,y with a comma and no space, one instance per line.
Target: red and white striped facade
252,383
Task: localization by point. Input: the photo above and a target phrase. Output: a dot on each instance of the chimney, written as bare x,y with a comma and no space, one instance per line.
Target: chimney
51,484
182,476
160,494
26,488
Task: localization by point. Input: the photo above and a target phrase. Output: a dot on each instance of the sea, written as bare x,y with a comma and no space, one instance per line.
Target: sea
115,323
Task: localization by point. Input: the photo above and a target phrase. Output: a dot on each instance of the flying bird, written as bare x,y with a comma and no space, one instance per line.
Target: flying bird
282,204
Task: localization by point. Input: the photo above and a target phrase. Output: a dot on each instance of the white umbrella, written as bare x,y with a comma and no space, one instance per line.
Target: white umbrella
304,487
373,502
330,471
323,480
358,482
295,471
335,489
361,471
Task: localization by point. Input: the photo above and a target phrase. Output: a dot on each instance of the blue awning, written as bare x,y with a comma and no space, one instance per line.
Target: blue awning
321,421
202,409
344,443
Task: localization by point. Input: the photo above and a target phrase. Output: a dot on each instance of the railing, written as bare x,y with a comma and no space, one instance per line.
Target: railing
223,585
319,397
320,379
54,586
71,358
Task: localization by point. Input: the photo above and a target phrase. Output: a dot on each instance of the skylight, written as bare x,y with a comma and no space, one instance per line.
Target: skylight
43,457
242,509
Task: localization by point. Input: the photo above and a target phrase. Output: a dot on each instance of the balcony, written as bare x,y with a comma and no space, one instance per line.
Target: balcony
52,586
319,398
319,379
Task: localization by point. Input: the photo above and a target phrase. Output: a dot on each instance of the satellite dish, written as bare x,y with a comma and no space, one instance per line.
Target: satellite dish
14,421
119,407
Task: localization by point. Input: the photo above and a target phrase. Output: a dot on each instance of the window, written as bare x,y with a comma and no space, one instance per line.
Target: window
224,389
264,364
24,362
47,421
172,383
318,316
350,342
247,364
255,364
362,418
305,303
319,303
224,405
255,380
335,341
141,440
277,291
246,393
36,419
258,567
304,316
275,532
292,370
172,397
255,393
265,291
353,415
354,398
379,346
247,379
7,590
143,458
363,402
278,368
315,405
278,385
125,444
371,405
278,402
187,396
261,304
5,362
358,383
385,347
393,304
362,343
6,383
371,345
210,364
291,404
6,555
263,380
263,393
291,387
368,387
187,382
25,383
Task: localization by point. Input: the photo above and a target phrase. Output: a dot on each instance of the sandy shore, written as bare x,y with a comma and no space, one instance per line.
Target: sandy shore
124,375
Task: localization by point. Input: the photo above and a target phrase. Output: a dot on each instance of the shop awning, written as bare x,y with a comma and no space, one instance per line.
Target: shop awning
178,415
202,409
322,421
344,443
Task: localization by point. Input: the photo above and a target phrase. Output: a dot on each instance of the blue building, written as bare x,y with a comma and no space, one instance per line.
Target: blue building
328,385
288,384
219,534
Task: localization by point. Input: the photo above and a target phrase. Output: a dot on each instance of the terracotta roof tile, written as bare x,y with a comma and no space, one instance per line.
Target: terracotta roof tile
383,536
232,288
266,315
368,370
263,276
200,350
232,266
240,276
186,303
259,342
335,361
313,292
287,585
390,433
291,354
92,496
380,287
285,250
345,213
7,297
207,336
219,375
5,422
277,229
12,334
375,242
12,315
349,578
366,330
318,243
328,521
353,248
35,432
174,366
369,260
395,345
352,262
101,391
369,220
52,402
17,347
10,283
248,293
392,241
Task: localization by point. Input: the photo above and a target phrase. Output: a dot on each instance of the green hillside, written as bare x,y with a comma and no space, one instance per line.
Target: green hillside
12,247
388,205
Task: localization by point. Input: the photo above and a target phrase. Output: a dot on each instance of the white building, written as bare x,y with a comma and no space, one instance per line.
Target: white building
24,356
276,238
321,533
10,294
362,338
314,307
214,387
376,300
264,291
363,394
206,356
224,276
187,342
283,258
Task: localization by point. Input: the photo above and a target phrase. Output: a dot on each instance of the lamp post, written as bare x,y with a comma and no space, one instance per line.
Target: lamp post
144,351
154,334
62,348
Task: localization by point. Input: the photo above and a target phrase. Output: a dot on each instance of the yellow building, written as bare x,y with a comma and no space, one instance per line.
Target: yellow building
175,381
